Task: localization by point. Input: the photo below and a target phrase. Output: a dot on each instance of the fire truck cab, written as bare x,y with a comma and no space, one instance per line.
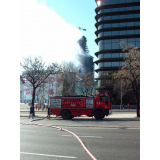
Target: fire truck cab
71,106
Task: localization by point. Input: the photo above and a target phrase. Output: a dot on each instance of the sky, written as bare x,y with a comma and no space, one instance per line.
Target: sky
50,28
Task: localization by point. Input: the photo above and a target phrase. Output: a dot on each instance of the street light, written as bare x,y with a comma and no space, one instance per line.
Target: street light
98,2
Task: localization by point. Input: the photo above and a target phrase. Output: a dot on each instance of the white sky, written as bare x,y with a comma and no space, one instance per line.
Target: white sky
45,33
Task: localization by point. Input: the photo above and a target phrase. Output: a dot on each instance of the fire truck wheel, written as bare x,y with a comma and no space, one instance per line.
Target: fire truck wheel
71,116
66,114
98,115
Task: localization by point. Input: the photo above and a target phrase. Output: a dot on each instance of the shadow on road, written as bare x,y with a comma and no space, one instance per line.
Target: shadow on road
98,121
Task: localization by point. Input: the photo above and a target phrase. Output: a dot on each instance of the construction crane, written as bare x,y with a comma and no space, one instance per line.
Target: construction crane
81,29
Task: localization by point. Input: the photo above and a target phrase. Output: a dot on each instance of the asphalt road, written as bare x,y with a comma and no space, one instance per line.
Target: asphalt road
111,140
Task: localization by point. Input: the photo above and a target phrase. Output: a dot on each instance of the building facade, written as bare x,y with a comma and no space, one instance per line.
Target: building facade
117,21
85,59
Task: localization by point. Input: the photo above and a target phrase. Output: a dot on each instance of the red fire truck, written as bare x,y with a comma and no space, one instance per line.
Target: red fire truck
71,106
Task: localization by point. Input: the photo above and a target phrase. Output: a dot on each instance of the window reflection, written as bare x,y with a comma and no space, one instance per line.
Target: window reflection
115,55
119,17
107,64
114,25
108,55
115,64
114,43
119,9
114,1
121,1
129,1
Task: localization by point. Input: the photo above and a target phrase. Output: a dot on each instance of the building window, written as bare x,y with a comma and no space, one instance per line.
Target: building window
115,45
115,40
114,1
107,10
130,23
115,17
129,8
129,1
107,46
130,32
115,33
115,55
100,19
115,64
122,8
122,24
107,33
137,31
138,44
122,1
114,24
100,64
114,9
136,7
136,15
122,32
130,15
100,34
107,41
100,56
108,55
121,63
107,2
122,16
122,54
107,25
137,23
100,47
107,64
107,18
123,39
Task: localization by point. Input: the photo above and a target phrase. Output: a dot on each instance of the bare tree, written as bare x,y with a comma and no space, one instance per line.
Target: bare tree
68,78
36,72
120,87
78,85
129,73
87,84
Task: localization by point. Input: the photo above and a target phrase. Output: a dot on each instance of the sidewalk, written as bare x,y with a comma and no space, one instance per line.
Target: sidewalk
43,114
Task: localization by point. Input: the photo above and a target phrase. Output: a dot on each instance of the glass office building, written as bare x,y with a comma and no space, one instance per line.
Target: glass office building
117,21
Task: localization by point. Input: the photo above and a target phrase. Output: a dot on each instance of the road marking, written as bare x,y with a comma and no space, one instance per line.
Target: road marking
82,136
47,155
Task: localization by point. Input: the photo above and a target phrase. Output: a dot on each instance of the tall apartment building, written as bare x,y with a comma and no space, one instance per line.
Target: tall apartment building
86,60
117,20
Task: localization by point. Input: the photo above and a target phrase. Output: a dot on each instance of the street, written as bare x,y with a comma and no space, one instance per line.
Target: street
111,139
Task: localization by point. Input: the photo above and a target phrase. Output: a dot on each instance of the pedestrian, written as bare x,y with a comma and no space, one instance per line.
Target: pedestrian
128,106
48,112
36,106
123,106
31,112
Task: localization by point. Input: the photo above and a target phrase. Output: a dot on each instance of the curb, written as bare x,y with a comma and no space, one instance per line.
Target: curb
81,118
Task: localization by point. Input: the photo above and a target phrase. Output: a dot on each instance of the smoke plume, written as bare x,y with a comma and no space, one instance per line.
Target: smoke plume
44,33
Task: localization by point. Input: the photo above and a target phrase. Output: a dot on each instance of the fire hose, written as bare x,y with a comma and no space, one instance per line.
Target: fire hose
62,129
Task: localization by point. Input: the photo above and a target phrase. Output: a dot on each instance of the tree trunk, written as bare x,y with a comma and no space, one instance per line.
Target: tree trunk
137,104
33,98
